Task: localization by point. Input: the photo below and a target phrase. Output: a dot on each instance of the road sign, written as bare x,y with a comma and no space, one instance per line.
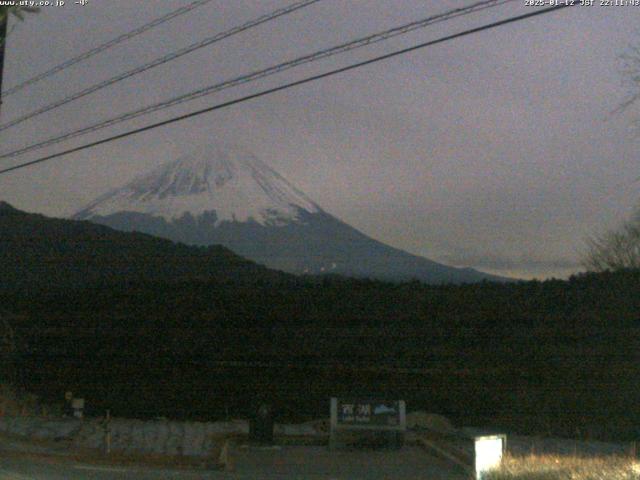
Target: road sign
367,414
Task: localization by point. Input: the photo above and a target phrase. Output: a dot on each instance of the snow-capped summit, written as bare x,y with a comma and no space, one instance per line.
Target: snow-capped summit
225,195
225,180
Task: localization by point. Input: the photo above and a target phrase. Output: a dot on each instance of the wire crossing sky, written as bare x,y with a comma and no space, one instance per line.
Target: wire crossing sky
257,75
105,46
161,61
496,151
289,85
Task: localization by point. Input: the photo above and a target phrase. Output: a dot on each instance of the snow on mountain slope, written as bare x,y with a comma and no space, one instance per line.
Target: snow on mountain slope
227,180
226,196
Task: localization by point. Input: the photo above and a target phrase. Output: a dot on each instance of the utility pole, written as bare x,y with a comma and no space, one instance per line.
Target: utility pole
3,43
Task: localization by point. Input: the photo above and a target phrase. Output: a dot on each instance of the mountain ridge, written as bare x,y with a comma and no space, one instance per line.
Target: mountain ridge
226,195
241,186
38,252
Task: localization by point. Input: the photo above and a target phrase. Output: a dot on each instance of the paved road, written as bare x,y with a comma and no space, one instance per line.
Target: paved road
20,460
249,464
21,469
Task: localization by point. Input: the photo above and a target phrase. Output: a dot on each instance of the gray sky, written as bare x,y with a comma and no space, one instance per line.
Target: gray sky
497,151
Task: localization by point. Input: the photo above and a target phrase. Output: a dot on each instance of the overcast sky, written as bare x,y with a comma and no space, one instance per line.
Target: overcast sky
497,151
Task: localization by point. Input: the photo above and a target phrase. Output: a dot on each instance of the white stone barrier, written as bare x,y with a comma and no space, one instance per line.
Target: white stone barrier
163,437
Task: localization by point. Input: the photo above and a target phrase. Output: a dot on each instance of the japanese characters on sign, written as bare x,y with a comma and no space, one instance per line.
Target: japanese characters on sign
368,412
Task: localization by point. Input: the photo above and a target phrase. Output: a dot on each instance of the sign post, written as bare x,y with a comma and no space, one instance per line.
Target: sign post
367,415
107,433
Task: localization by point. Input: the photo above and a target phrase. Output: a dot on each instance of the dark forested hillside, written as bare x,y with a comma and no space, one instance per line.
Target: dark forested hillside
200,333
557,357
40,253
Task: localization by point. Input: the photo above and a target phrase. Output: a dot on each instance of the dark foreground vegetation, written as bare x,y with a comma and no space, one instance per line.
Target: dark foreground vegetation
147,328
556,357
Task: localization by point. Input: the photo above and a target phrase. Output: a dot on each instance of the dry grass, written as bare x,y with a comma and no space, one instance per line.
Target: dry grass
554,467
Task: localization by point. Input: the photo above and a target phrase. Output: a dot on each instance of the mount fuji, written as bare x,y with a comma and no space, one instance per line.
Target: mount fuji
226,195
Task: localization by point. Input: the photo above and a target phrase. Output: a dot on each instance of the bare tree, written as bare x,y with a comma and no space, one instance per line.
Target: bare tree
631,76
17,12
620,248
616,249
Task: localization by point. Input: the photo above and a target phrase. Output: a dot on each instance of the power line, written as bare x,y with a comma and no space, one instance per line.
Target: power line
292,84
105,46
345,47
160,61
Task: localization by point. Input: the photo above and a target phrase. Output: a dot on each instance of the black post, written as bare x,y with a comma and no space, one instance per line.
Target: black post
3,43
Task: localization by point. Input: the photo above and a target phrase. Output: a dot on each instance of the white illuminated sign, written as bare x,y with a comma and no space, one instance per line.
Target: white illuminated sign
488,452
